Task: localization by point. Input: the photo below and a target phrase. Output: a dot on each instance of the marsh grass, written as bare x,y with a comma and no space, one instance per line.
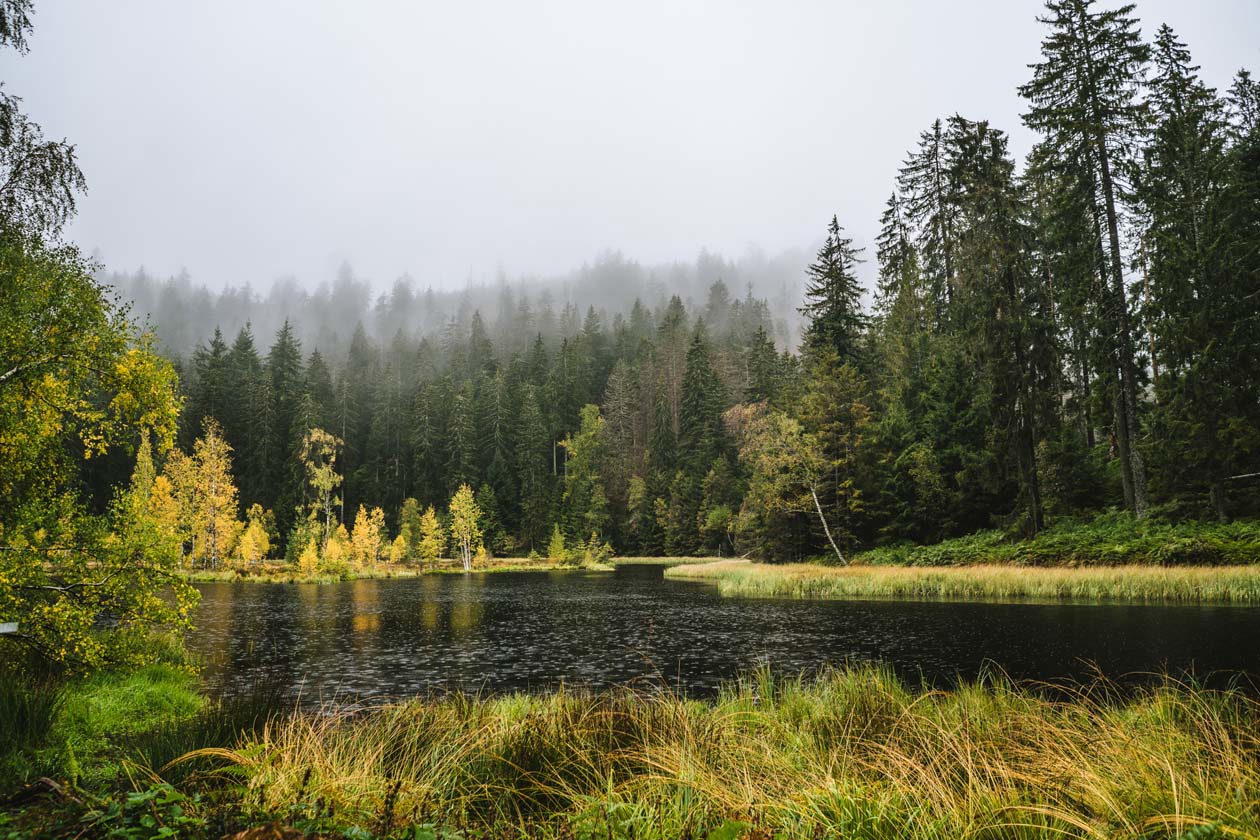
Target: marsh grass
1133,584
851,753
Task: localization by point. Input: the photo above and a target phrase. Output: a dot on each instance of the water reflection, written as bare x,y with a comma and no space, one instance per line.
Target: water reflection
507,631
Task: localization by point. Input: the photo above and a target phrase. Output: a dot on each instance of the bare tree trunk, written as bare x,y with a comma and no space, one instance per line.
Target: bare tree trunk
826,529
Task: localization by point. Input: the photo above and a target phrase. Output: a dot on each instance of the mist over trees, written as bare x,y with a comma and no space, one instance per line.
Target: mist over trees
185,312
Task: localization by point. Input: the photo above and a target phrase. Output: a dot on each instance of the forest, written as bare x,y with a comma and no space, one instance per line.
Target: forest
1049,338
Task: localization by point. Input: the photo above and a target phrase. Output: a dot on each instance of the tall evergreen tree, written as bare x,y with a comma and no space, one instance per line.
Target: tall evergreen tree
929,208
1085,98
833,296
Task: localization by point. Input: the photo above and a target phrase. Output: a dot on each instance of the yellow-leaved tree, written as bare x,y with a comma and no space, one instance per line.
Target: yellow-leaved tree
465,525
319,455
255,541
336,559
398,551
432,536
367,540
198,498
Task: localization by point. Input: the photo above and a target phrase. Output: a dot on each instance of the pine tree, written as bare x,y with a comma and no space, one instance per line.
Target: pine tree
585,502
999,294
764,372
834,413
461,466
410,529
702,437
533,464
210,393
929,208
833,296
284,367
1084,97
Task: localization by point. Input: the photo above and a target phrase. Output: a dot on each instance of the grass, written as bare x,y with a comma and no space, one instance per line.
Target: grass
1128,584
849,753
852,753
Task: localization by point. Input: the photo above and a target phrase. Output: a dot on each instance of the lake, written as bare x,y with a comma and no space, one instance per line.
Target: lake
385,639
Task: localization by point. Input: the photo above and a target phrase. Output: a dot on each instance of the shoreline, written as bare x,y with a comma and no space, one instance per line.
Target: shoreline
1237,585
285,574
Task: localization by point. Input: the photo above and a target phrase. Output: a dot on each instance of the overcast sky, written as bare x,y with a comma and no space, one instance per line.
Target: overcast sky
246,141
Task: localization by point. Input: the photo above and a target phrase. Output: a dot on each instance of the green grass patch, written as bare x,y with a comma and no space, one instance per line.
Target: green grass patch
101,715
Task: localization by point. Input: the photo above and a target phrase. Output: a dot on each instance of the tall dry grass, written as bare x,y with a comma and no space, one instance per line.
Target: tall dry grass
851,753
1137,584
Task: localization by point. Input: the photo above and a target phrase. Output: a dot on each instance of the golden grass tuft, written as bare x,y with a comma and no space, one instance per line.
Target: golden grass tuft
1134,584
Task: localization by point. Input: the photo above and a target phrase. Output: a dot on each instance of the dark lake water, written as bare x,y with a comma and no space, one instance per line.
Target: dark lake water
378,639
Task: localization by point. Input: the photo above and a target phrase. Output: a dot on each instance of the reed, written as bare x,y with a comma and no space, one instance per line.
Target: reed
1133,584
850,753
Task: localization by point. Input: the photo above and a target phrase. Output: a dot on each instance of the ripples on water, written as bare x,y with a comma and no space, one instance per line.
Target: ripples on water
385,639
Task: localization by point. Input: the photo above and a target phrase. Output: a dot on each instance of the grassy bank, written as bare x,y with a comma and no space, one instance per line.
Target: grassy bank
1133,584
853,753
284,573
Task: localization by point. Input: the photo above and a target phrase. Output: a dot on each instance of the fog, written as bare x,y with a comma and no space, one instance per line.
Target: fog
457,142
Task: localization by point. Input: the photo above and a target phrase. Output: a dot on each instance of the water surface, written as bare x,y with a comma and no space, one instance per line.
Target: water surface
383,639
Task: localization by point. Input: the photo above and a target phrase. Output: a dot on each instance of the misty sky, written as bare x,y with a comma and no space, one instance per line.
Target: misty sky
246,141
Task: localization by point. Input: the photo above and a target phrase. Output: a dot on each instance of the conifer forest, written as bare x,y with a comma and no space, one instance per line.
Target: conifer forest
1048,337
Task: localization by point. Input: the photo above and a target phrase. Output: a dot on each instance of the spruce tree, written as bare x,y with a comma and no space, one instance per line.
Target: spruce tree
833,296
533,463
1084,97
929,208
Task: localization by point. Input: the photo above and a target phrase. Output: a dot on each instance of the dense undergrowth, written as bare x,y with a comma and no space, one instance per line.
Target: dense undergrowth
1111,539
851,753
